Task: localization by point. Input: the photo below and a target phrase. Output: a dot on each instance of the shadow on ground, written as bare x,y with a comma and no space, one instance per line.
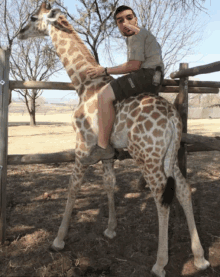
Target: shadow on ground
35,204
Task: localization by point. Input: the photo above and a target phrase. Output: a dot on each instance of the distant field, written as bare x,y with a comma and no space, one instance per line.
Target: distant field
54,131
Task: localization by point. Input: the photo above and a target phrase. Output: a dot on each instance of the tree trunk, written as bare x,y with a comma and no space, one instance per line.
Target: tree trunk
32,110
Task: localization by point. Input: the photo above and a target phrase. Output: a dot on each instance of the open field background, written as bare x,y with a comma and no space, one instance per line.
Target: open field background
33,217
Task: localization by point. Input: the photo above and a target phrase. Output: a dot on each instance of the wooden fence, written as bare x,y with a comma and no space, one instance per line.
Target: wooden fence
181,86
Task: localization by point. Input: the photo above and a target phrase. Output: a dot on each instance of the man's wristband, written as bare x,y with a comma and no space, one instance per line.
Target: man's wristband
106,72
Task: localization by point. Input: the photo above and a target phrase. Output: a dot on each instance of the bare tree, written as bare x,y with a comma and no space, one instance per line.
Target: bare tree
33,60
93,21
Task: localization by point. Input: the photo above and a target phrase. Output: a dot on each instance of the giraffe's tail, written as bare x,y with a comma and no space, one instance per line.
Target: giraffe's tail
169,162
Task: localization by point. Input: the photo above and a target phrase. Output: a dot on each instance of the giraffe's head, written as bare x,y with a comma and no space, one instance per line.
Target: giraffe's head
40,22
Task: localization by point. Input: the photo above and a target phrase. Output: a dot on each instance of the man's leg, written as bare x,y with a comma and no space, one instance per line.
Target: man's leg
106,117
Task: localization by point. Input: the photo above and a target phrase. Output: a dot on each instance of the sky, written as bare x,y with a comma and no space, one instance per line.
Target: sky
207,51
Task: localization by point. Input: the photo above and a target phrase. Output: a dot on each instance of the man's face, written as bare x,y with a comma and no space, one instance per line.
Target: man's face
124,17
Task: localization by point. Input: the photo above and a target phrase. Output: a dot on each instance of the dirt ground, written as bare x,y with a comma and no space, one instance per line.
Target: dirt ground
36,198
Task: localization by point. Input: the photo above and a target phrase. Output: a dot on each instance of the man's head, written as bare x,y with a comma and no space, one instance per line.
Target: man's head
125,15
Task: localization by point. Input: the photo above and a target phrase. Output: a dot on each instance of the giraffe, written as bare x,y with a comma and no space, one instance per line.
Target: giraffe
148,126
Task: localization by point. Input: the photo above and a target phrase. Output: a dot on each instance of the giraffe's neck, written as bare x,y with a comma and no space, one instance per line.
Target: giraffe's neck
73,53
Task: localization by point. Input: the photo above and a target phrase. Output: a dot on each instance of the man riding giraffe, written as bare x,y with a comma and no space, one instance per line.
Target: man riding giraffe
144,58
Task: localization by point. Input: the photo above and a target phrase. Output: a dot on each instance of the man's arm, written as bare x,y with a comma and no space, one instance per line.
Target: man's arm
124,68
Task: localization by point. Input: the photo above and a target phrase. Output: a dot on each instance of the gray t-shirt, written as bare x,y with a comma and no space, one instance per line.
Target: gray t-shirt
145,48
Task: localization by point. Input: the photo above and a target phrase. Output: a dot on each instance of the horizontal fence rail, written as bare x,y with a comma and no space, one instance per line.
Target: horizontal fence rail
203,69
202,143
70,86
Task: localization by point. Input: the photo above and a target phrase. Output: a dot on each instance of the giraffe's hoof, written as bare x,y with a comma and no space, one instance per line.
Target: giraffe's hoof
57,245
158,273
201,264
109,234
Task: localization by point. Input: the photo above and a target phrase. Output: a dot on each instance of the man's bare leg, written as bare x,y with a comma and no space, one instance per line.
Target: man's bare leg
106,115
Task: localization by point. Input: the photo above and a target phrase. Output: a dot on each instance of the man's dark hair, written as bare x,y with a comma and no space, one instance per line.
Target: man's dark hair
121,9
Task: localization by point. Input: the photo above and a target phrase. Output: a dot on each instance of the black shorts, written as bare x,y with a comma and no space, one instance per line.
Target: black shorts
134,83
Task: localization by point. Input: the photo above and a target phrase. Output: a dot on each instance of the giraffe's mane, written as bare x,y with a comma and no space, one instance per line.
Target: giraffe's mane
63,25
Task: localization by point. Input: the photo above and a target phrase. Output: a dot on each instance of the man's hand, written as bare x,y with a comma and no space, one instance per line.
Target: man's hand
94,72
133,28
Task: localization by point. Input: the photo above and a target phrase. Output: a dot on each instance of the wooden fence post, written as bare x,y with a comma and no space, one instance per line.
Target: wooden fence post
4,87
181,104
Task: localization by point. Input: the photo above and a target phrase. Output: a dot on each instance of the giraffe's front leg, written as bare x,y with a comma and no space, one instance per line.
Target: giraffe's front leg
74,185
109,183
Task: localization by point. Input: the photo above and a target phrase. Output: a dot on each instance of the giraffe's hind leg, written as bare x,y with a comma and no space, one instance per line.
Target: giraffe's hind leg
74,185
157,186
109,184
183,194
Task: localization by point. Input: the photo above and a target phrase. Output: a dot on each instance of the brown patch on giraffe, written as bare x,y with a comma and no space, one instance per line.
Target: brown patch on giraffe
156,161
136,139
134,105
148,109
62,42
65,23
141,128
75,81
149,166
86,124
126,109
162,123
155,115
90,92
89,120
148,140
87,83
72,49
54,38
83,75
129,123
70,72
160,142
136,130
155,169
80,64
79,111
157,149
90,137
65,62
142,144
157,133
147,100
78,124
123,116
83,147
77,59
92,106
135,112
149,149
162,109
148,125
141,118
120,127
81,90
61,51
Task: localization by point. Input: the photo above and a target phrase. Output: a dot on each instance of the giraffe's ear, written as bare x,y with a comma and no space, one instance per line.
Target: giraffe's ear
53,15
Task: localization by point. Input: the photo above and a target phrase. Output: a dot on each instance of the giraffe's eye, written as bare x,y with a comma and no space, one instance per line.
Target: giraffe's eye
33,18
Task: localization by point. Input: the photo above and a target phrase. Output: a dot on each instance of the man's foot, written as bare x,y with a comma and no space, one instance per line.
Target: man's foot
98,153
